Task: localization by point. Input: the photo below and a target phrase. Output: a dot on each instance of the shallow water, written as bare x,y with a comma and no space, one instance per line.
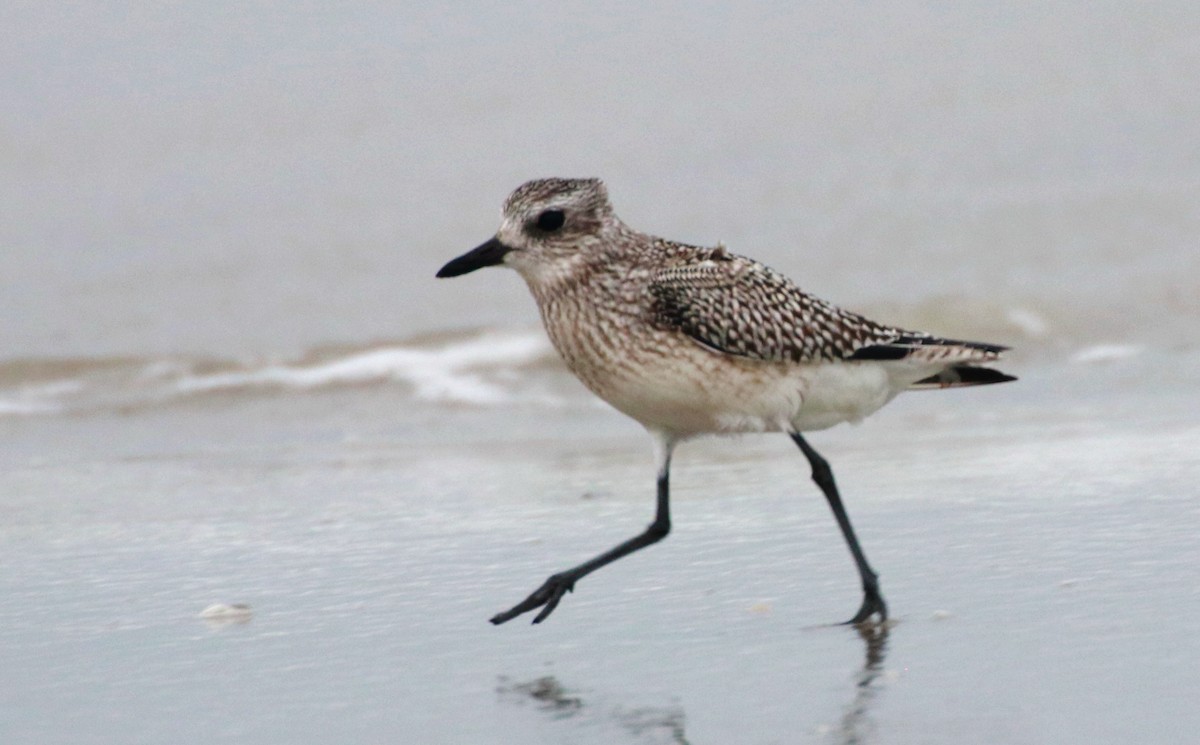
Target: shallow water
1040,563
227,375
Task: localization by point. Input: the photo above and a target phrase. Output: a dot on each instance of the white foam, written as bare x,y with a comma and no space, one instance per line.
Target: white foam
1030,323
449,373
1106,353
489,367
26,408
45,398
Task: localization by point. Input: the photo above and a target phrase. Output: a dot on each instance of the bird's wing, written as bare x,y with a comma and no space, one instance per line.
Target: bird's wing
741,307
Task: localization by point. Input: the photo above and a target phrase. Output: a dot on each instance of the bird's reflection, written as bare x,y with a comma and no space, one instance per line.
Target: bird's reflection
666,723
646,723
857,728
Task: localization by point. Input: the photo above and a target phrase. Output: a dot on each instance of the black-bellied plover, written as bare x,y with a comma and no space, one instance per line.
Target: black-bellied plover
691,341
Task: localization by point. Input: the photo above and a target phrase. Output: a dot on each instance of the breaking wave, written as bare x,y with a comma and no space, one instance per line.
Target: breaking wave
484,367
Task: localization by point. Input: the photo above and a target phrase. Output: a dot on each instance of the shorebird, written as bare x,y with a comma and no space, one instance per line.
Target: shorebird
691,341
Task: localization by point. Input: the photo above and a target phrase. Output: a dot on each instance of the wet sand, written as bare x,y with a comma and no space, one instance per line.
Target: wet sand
1038,551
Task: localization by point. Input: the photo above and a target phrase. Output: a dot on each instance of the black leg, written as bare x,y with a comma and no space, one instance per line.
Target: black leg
822,474
553,589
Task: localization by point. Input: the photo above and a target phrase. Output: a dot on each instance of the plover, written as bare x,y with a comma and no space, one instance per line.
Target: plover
691,341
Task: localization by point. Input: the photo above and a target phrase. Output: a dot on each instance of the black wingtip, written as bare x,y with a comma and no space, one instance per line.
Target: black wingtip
902,347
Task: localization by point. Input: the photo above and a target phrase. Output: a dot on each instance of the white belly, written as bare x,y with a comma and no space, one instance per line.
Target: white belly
703,391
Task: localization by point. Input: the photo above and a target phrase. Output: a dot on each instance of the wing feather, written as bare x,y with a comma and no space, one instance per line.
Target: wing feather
740,307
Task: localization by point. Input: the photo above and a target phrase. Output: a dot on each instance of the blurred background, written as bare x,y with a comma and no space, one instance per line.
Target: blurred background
227,373
230,180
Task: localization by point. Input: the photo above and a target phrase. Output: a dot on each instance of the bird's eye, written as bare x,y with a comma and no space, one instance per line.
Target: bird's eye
551,220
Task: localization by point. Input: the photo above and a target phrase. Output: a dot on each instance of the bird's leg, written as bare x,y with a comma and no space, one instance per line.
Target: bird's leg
822,474
552,590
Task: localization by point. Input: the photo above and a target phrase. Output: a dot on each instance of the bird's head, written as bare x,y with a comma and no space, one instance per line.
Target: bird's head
547,227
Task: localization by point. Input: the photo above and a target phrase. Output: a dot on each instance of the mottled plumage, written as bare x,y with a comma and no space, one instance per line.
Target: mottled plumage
690,340
741,307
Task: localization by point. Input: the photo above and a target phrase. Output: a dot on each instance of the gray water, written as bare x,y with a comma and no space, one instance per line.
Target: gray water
227,375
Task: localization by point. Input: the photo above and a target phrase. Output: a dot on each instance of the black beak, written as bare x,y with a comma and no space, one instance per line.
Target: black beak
487,254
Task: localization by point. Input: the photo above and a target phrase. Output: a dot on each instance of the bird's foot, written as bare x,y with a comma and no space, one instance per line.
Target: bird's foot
872,604
548,595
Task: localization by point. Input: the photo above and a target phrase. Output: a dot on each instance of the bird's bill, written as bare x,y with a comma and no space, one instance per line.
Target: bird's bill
487,254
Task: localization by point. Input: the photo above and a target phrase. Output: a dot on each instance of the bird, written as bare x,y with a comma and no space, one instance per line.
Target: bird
690,340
